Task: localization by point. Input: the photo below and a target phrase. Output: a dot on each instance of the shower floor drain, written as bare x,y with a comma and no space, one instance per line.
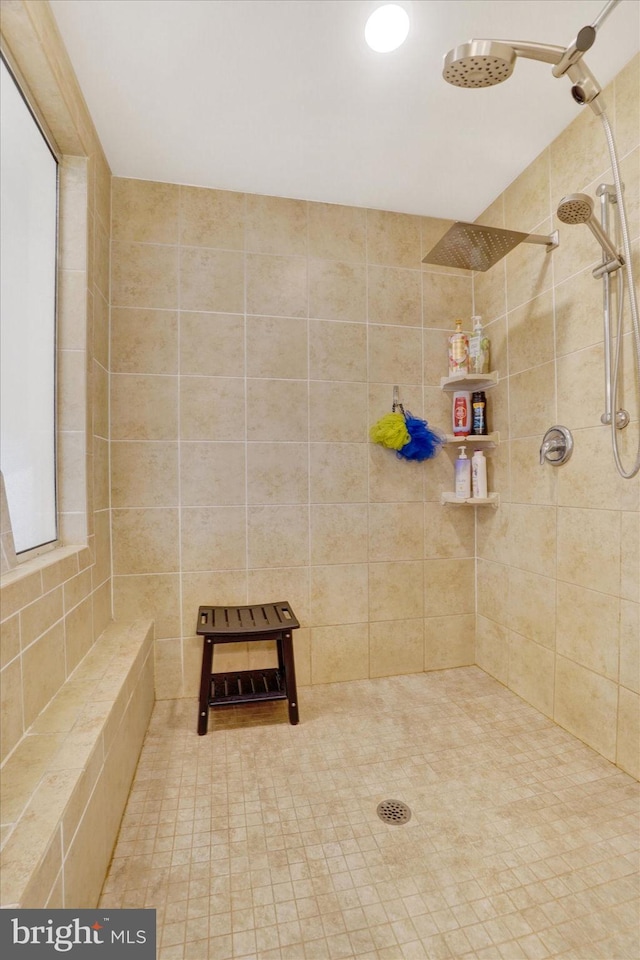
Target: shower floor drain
393,811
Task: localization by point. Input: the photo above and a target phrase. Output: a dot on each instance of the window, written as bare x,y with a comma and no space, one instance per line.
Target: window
28,247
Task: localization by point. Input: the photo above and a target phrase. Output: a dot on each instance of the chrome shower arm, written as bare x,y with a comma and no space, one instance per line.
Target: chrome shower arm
604,13
546,52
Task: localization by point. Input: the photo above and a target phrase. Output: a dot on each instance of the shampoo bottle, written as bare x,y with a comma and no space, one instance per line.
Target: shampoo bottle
458,351
463,476
478,348
479,475
461,413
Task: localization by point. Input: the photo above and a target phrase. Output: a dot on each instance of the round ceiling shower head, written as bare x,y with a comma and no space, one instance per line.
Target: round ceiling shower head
479,63
576,208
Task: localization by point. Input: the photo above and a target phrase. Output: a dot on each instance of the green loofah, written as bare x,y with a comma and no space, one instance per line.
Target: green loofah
391,431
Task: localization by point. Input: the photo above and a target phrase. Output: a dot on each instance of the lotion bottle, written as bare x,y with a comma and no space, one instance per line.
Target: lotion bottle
463,476
479,475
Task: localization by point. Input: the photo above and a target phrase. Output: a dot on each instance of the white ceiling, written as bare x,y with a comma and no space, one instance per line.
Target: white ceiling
283,97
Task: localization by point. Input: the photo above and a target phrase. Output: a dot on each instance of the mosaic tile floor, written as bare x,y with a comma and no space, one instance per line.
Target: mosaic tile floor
261,840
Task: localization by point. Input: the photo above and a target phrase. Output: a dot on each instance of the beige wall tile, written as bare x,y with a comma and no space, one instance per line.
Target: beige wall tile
40,616
448,533
211,344
144,211
590,478
396,590
627,112
492,648
11,707
531,481
339,653
578,155
393,358
628,745
630,556
43,671
394,239
337,291
578,306
145,541
10,635
277,347
589,549
277,410
144,275
336,232
144,474
532,401
394,296
532,530
531,672
276,286
493,540
144,341
337,351
436,352
449,641
531,610
278,536
391,479
211,218
277,473
276,225
629,645
211,280
526,200
213,538
214,587
396,531
529,270
492,597
396,647
338,594
586,705
580,387
449,586
531,334
281,583
212,408
339,533
337,411
78,634
588,628
153,597
212,474
446,297
144,407
490,293
338,472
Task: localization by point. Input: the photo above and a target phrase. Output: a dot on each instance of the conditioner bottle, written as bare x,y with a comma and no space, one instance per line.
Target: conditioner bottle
463,476
479,475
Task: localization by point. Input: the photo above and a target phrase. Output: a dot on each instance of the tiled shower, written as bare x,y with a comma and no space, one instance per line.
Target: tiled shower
221,358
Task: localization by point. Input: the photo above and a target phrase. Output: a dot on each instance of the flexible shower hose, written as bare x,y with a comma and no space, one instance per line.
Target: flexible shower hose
633,305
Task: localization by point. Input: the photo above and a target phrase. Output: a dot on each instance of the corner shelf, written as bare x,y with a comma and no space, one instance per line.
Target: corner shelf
475,381
492,500
471,381
489,440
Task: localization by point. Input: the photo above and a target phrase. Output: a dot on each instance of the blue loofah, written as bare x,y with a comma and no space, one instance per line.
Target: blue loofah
424,443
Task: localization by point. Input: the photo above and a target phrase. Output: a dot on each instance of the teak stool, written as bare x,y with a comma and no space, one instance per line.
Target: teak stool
269,621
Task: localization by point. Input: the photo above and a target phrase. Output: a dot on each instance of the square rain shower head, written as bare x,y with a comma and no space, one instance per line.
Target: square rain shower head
472,246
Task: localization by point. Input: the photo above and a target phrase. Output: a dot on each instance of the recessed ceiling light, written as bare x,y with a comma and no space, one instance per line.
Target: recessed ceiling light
387,28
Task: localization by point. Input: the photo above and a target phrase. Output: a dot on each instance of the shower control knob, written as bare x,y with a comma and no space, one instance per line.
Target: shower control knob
557,446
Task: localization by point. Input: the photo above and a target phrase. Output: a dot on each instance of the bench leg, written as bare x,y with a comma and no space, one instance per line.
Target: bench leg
205,685
285,652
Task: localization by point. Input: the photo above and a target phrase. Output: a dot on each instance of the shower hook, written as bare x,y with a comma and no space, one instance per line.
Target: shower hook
396,401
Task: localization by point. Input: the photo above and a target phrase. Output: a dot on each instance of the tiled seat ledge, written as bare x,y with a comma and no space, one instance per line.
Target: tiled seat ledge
65,786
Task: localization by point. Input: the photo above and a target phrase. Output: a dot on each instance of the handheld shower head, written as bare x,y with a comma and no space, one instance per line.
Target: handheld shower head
578,208
479,63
